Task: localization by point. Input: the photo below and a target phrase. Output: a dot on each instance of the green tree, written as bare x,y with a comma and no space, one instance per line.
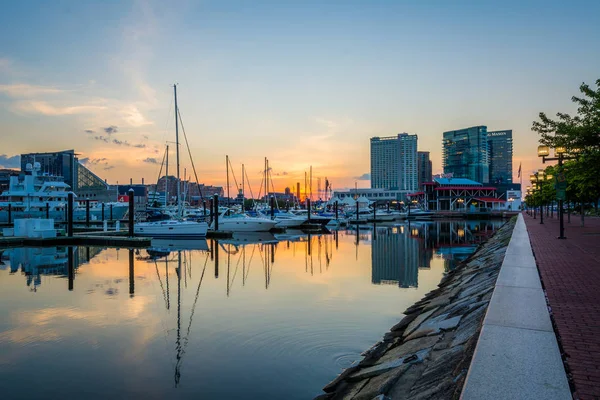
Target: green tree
579,135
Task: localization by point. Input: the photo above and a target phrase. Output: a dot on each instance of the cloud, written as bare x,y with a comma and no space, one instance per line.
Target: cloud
120,142
23,90
111,129
109,167
102,138
93,161
44,108
10,162
150,160
89,131
140,146
363,177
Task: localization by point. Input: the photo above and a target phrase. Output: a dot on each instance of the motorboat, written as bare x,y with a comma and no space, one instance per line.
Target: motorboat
313,219
230,221
171,228
37,195
286,219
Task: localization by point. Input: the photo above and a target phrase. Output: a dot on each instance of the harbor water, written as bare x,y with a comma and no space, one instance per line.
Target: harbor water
257,316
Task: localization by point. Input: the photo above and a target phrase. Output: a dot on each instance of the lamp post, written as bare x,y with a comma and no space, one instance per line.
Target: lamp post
560,154
536,179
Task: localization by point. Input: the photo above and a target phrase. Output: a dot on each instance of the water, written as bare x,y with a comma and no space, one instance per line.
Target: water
274,319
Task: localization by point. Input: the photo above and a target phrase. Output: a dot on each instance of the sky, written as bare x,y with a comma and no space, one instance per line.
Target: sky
304,83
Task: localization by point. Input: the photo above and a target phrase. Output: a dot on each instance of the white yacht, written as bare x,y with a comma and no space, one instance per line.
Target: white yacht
285,219
36,194
229,221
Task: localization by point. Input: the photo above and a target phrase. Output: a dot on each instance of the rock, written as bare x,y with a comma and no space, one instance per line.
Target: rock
380,384
435,325
469,326
384,367
409,347
331,386
402,387
415,324
404,322
350,390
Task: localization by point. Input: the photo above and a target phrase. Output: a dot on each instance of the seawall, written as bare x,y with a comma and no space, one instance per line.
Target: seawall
428,353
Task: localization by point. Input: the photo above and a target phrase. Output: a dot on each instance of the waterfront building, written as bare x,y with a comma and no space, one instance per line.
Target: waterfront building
465,153
424,168
457,194
394,162
85,183
500,148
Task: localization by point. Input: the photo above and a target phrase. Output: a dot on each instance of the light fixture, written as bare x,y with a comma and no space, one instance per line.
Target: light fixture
543,151
560,150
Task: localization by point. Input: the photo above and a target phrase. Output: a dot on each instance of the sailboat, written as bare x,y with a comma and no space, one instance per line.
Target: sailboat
176,227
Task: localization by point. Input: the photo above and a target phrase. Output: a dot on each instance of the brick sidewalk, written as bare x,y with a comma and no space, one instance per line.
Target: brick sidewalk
570,272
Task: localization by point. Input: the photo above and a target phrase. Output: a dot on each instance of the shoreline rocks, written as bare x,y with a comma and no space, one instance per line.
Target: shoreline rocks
427,354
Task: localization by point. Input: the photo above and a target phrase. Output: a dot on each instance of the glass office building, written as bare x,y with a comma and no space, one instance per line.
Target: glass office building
465,153
500,148
424,168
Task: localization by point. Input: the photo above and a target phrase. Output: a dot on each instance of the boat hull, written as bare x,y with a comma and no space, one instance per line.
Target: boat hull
243,225
59,216
170,230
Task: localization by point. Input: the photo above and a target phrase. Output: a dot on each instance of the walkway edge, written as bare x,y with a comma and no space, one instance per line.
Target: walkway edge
517,354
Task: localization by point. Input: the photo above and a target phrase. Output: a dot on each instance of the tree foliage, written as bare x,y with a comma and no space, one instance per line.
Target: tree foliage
580,135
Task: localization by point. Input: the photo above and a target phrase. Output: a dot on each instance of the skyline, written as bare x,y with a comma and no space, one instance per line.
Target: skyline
302,84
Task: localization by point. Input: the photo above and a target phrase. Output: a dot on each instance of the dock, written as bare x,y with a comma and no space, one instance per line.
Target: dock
76,240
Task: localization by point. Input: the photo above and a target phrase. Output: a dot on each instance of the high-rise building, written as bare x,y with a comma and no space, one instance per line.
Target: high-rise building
424,168
500,147
394,162
465,153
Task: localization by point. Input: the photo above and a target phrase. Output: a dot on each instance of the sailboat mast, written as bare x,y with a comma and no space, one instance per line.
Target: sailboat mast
227,166
177,145
243,184
167,180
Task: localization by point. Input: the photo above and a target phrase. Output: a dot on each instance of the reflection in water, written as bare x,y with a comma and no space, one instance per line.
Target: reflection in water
283,308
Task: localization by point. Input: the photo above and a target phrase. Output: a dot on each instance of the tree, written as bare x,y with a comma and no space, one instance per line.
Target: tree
579,135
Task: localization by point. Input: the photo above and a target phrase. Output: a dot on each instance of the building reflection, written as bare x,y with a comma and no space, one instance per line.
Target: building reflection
395,259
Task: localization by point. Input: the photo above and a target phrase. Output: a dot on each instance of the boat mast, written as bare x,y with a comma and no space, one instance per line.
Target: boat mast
167,180
243,196
227,166
177,145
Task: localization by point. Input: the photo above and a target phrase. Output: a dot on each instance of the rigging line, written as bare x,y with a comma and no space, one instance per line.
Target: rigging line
270,175
159,174
195,301
237,185
236,269
161,284
250,187
250,263
190,154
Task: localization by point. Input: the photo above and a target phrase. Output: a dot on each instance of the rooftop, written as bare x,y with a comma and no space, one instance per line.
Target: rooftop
456,182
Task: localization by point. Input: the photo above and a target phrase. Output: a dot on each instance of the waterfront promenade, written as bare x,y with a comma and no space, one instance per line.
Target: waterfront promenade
570,272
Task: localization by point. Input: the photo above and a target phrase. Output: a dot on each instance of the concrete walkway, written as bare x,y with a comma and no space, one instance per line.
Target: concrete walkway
517,355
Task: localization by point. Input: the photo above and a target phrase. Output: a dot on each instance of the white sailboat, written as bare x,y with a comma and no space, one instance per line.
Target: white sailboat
177,227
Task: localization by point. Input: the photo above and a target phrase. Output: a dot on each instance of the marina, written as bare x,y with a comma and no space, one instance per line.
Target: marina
294,303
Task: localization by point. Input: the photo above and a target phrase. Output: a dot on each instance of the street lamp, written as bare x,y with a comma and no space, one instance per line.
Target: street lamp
460,202
560,154
536,179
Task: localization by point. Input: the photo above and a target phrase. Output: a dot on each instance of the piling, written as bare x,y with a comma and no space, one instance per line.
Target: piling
374,214
71,267
70,214
9,214
388,206
335,207
216,245
102,211
216,213
87,213
308,209
110,212
131,211
47,210
272,207
131,274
